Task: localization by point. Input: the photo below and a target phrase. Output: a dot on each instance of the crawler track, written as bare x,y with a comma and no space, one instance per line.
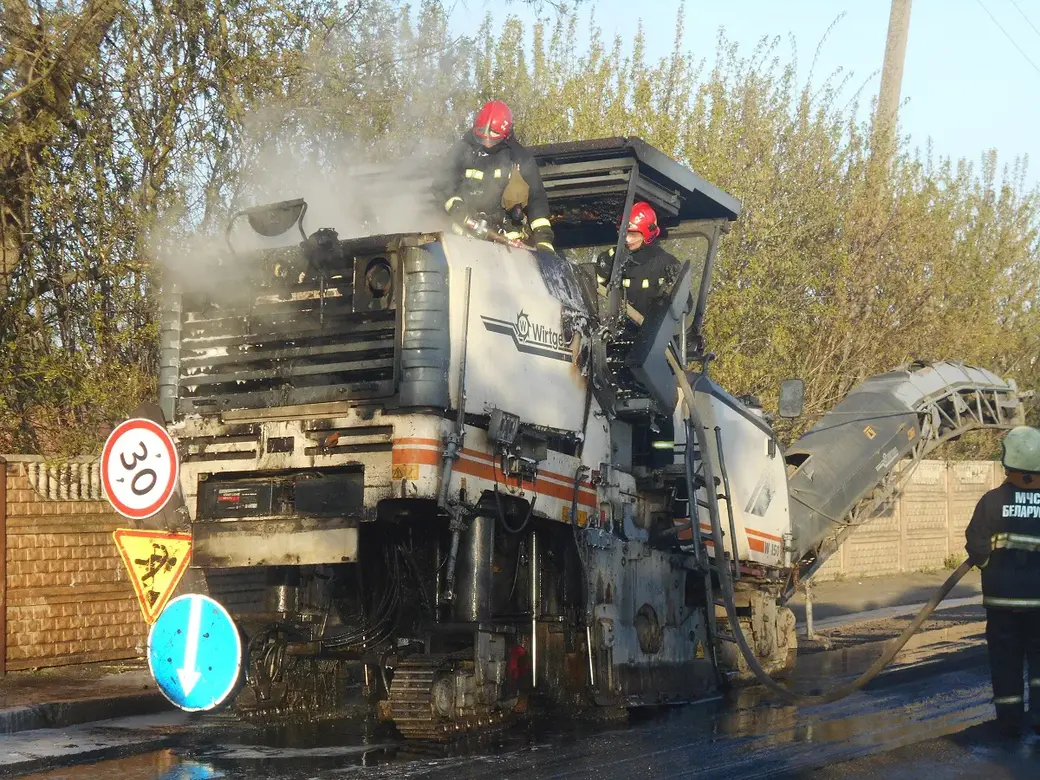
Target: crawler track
421,693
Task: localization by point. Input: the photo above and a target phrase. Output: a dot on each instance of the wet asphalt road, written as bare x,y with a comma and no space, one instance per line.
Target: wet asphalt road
919,721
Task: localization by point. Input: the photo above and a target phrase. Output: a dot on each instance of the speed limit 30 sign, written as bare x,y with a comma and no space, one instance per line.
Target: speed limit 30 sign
139,468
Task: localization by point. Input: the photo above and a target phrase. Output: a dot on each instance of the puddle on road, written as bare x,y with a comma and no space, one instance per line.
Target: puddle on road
147,766
744,722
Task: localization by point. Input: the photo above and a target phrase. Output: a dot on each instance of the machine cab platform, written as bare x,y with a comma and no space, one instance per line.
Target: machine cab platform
592,186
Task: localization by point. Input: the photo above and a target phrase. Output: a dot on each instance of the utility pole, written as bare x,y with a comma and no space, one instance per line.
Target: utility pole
891,80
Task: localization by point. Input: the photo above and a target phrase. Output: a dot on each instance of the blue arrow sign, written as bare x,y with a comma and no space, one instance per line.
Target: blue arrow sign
195,652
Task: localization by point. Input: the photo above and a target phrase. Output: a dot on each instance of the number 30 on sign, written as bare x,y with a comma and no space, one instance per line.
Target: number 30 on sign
139,468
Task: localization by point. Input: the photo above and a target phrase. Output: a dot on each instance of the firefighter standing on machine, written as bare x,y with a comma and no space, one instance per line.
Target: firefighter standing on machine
492,182
1003,539
650,271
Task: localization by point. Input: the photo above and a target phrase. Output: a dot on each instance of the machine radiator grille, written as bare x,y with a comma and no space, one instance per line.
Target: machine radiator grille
298,347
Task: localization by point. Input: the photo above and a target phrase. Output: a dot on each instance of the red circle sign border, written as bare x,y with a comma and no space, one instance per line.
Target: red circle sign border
158,430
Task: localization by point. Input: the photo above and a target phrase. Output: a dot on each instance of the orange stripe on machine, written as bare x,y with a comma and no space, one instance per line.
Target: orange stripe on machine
411,453
475,463
403,455
758,545
764,535
542,487
415,441
562,479
755,544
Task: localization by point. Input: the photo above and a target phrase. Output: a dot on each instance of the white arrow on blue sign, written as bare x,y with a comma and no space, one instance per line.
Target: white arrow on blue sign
195,653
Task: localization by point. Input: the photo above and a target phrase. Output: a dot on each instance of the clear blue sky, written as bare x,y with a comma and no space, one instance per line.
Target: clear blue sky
965,85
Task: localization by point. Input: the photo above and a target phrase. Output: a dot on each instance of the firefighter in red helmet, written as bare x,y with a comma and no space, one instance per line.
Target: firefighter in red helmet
489,173
651,271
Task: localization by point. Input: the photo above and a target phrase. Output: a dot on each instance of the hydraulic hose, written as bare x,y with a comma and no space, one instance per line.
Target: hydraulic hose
695,428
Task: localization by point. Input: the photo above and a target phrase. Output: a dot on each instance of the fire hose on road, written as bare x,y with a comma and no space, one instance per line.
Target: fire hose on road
696,431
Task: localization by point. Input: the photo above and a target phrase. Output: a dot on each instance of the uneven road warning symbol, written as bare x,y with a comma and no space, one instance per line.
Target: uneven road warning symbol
156,562
195,653
139,468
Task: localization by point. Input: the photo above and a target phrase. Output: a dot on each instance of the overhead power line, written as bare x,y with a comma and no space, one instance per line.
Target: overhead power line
1001,28
1028,20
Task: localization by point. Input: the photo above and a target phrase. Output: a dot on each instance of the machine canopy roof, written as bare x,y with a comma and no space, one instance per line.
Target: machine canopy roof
587,182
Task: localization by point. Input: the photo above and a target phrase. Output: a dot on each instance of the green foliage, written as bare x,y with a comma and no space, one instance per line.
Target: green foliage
839,268
161,118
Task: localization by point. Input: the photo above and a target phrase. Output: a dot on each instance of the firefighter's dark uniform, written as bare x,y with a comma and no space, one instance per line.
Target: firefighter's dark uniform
1003,539
649,274
475,178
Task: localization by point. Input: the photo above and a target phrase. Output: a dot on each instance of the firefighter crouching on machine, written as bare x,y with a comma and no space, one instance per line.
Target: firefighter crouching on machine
493,183
650,271
1003,539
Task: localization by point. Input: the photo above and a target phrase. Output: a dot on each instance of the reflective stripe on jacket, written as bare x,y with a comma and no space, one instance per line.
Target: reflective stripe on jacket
649,274
479,176
1003,539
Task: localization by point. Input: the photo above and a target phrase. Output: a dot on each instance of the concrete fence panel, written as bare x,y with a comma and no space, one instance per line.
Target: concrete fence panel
923,529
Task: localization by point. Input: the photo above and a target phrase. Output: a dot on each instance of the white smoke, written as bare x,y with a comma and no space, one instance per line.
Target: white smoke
322,149
350,194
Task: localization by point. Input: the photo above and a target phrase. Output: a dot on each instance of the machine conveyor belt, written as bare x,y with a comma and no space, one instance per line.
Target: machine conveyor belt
862,452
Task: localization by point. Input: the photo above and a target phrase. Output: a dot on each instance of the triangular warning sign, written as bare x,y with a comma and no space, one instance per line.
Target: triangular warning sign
699,651
156,562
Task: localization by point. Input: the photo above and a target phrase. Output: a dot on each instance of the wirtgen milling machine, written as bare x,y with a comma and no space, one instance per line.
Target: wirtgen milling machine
455,476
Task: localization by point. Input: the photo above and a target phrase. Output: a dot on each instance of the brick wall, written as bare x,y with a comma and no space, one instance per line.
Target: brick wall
68,599
921,529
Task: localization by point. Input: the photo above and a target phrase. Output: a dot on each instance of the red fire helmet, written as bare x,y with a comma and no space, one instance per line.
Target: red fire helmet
494,121
644,220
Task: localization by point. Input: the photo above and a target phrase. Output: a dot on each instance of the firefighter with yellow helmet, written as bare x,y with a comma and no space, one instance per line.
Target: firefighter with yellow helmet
1003,539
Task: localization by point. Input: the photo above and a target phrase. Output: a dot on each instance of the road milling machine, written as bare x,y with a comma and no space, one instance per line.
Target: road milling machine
455,478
